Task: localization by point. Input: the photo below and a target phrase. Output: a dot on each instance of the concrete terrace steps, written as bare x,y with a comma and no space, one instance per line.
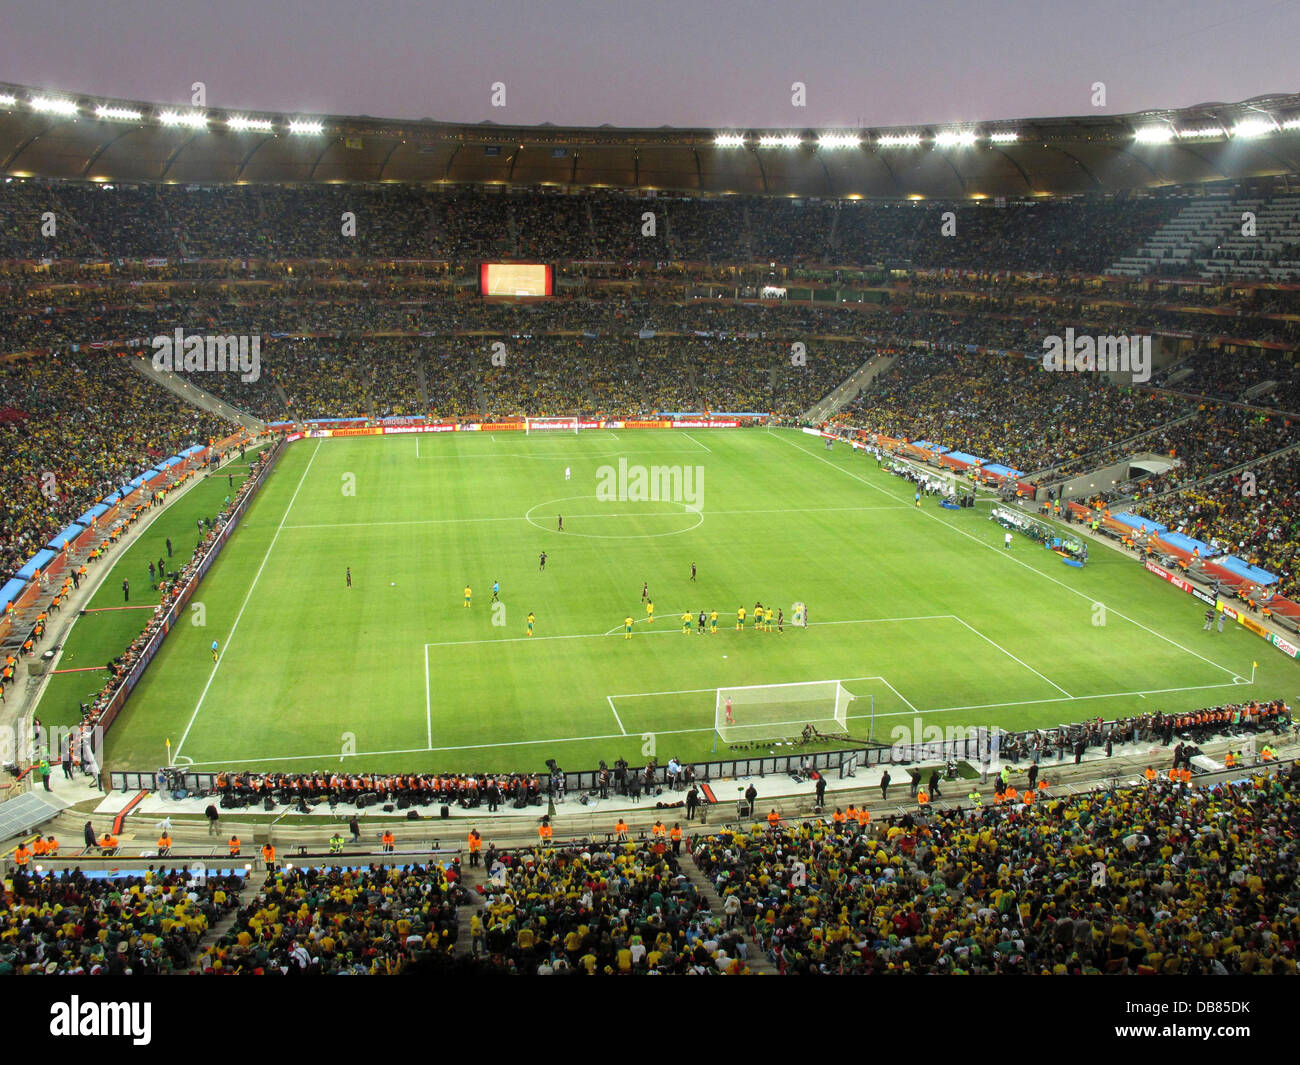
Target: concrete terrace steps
1097,458
849,389
1213,476
215,932
195,396
757,961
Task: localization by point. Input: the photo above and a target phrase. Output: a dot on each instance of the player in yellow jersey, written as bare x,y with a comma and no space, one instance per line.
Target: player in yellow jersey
531,619
713,622
686,623
627,628
767,619
650,611
740,619
468,595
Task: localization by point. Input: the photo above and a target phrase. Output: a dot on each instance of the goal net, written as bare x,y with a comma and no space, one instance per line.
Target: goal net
780,711
567,424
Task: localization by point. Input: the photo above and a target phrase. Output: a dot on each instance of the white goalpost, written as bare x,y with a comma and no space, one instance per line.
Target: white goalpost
779,711
562,424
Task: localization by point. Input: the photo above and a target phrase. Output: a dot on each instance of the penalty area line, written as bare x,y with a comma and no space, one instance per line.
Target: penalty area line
1004,554
610,699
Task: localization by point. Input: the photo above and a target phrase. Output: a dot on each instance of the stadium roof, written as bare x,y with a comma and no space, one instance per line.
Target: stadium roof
49,134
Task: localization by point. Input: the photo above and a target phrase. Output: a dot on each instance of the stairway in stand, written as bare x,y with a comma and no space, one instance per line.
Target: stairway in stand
757,960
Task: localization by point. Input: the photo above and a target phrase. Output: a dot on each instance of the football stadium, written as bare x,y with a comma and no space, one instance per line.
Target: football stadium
478,548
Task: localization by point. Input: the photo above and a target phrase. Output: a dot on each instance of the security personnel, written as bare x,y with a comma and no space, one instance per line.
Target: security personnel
658,831
268,856
234,846
1230,760
620,830
545,832
838,818
52,847
864,818
773,819
675,835
1150,774
22,856
475,846
164,844
39,849
387,839
336,843
976,799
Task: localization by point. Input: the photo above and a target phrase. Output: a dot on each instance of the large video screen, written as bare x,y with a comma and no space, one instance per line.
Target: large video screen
515,279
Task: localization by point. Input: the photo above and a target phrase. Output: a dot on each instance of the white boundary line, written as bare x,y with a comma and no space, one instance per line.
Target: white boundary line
332,755
569,457
1010,655
610,699
256,577
667,629
417,445
694,441
638,514
1010,558
428,700
906,702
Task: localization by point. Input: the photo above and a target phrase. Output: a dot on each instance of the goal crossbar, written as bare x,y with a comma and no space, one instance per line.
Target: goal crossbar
757,712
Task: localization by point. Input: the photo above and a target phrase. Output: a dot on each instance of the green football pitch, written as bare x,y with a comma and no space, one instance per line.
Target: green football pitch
922,614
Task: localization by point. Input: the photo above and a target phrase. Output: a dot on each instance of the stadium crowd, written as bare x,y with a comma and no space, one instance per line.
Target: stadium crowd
1156,879
340,921
1255,518
70,924
91,423
619,909
393,220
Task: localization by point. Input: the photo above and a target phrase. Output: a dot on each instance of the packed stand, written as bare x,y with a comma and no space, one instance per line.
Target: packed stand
1156,879
69,924
341,922
619,909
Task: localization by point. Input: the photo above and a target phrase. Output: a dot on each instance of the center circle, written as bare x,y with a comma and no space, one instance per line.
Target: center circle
614,511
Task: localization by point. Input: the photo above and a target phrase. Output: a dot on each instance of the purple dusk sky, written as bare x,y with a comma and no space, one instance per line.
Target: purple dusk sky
713,63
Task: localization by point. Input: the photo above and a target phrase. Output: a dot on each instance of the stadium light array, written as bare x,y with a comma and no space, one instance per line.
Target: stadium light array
51,105
779,140
1201,133
193,119
6,100
1253,127
239,123
729,140
1154,135
899,140
955,138
1004,136
298,126
122,114
839,140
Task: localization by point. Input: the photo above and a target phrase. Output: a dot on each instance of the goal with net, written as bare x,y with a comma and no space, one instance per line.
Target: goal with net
564,424
761,712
